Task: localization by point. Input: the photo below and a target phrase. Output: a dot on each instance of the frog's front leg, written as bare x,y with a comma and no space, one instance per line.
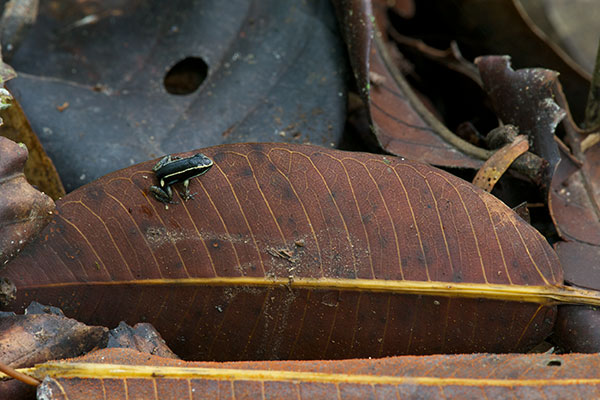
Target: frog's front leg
163,161
163,195
186,195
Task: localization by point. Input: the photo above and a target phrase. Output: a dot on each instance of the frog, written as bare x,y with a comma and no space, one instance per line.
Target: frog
172,169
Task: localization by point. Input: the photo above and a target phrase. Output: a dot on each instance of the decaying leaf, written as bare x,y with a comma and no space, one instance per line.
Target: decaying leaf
24,211
142,337
299,252
531,376
39,336
574,203
525,99
573,200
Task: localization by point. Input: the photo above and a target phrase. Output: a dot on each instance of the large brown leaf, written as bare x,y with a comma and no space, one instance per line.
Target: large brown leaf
291,251
535,376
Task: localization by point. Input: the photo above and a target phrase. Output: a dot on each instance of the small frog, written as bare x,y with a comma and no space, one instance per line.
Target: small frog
172,169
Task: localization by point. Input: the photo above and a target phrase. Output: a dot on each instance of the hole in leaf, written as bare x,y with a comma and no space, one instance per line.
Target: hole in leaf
554,363
186,76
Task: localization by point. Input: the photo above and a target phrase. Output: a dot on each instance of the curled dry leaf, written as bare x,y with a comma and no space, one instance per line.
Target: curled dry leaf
39,169
299,252
24,211
530,376
493,169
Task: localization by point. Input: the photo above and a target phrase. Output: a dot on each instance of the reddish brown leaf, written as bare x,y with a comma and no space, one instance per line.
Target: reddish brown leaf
401,123
531,376
573,202
17,390
574,206
573,199
577,328
23,210
290,251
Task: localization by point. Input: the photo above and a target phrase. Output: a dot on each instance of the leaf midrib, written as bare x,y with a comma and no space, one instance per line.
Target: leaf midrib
546,295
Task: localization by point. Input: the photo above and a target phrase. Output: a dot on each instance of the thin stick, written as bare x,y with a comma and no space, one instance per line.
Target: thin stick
18,375
592,109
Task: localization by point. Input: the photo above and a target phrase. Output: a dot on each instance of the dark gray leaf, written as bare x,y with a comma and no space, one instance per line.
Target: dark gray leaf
91,79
